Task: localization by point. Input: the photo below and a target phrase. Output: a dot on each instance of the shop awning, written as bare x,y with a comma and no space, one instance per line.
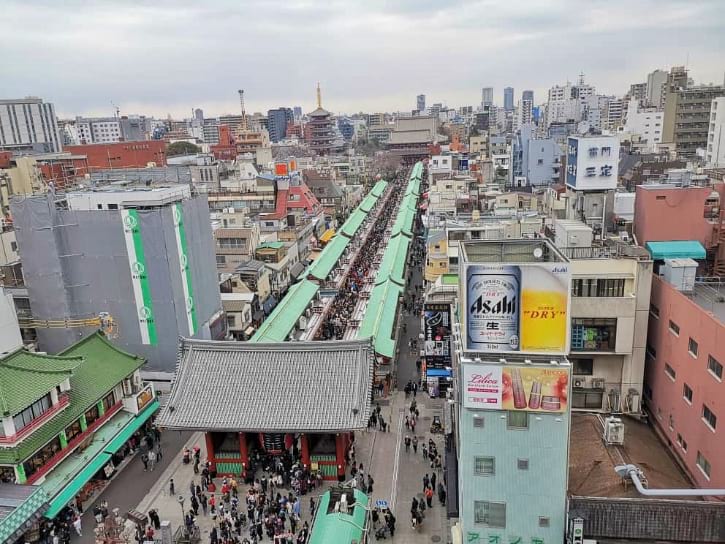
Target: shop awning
676,249
327,235
20,507
75,485
121,438
96,463
438,373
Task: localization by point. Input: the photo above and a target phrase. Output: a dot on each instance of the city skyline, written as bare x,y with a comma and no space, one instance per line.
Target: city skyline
156,66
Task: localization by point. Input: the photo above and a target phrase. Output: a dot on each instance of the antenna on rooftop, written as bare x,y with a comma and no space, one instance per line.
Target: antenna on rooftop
244,113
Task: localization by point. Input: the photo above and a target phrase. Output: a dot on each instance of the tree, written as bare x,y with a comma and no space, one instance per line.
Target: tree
182,148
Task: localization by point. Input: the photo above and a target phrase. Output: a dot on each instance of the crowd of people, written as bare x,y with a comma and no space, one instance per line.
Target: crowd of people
343,307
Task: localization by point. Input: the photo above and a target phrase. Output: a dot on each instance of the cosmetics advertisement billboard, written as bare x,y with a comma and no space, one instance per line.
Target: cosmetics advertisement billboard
437,342
518,388
521,308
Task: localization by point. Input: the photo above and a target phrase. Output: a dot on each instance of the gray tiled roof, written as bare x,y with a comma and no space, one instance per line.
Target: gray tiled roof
275,387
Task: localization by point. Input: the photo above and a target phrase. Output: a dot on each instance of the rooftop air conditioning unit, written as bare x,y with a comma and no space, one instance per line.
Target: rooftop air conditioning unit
598,383
580,383
614,431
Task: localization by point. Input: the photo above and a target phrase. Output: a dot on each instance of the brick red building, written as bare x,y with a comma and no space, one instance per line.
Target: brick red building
122,154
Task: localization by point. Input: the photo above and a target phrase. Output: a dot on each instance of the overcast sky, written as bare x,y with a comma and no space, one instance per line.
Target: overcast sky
165,56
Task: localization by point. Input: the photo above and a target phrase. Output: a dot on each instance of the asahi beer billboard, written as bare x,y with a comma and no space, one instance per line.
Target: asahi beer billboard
437,335
516,388
522,308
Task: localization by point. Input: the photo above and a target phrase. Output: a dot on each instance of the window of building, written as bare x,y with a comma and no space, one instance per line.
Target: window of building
589,399
674,328
714,367
73,430
681,442
108,402
593,334
709,417
654,311
517,420
522,464
672,422
7,475
687,393
34,411
92,415
543,521
593,287
484,466
670,372
651,352
232,243
231,321
113,206
583,367
703,464
221,259
478,421
489,514
41,457
692,347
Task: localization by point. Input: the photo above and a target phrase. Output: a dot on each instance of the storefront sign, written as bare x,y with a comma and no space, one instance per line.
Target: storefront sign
144,397
437,342
516,308
516,387
108,469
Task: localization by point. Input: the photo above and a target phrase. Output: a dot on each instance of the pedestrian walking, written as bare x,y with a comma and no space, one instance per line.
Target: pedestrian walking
415,444
426,481
312,506
152,460
429,496
425,450
159,455
441,493
407,422
370,484
407,445
412,425
415,389
77,525
203,502
172,491
192,488
433,480
212,504
145,461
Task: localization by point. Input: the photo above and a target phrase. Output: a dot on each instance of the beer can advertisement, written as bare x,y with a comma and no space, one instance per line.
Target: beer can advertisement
516,308
517,388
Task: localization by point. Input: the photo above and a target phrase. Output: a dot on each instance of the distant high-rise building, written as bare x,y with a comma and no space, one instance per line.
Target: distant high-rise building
29,124
656,85
420,102
210,130
638,91
486,97
199,114
277,123
297,110
508,99
715,155
98,130
528,95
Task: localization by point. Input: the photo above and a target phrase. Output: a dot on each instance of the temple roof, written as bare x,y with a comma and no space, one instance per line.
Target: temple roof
271,387
319,112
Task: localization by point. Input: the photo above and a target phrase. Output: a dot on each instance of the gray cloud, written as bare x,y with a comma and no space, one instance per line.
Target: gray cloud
170,56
